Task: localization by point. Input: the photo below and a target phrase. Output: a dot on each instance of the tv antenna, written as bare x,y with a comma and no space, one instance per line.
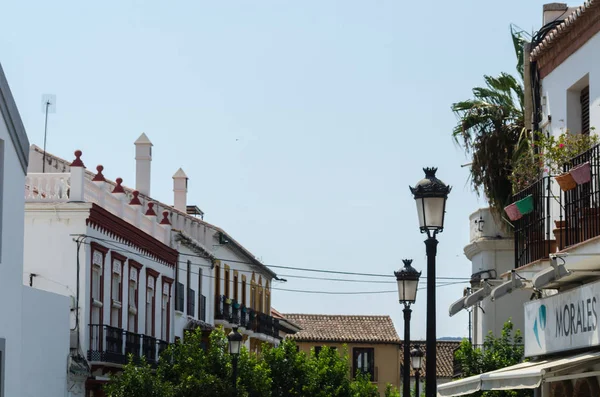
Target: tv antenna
48,106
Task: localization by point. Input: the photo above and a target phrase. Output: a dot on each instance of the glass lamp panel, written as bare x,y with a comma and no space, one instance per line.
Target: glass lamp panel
433,212
416,361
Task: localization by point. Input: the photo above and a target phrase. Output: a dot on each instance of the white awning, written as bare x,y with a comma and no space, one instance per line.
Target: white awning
527,375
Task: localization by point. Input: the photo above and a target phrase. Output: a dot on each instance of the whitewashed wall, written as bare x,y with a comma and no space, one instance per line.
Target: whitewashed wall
11,258
490,249
51,254
574,73
197,263
45,343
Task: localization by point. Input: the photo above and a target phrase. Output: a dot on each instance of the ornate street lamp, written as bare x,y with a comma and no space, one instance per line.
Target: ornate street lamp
430,196
408,281
235,342
416,358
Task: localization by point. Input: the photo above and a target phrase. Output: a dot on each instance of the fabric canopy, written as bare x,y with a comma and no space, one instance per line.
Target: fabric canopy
527,375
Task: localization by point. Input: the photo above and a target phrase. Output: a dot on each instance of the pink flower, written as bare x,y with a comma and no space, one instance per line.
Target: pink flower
562,145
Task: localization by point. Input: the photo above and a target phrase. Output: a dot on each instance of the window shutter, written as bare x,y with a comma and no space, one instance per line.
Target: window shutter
180,297
585,110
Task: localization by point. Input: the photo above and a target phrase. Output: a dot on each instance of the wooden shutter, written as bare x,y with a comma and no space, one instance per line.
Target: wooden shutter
585,110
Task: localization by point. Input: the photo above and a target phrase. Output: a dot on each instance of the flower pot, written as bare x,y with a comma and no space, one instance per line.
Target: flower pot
565,181
560,234
560,224
582,173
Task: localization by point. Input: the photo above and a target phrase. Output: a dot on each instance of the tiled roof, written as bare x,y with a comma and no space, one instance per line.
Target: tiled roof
281,317
344,328
562,29
445,358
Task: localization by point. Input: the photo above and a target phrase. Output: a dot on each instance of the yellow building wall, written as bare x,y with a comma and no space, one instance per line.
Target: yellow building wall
387,360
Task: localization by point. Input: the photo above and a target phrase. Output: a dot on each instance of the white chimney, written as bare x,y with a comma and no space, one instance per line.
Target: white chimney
180,181
143,159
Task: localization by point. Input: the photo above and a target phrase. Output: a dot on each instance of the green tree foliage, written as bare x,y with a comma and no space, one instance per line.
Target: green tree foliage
497,352
138,381
489,128
185,370
391,391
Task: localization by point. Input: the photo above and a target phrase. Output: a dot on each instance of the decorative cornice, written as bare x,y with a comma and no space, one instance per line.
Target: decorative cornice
488,244
125,232
194,246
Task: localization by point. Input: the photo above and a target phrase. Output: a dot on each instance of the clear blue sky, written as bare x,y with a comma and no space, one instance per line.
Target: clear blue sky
300,123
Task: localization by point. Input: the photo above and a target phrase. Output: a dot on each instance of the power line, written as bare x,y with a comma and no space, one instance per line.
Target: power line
288,267
122,250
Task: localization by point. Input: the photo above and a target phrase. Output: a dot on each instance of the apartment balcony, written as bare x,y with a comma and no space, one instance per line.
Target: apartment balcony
560,219
580,214
114,345
532,231
223,311
266,325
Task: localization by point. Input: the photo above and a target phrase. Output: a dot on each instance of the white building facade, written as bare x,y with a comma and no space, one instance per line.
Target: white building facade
184,272
111,256
557,245
33,321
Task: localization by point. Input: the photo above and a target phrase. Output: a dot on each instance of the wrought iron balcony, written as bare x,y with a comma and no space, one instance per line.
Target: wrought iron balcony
581,213
223,309
114,345
532,230
149,349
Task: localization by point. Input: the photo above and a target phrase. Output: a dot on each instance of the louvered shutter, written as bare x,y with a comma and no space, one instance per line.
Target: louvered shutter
585,110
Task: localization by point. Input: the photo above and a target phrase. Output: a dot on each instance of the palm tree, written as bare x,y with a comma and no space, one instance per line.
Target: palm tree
489,129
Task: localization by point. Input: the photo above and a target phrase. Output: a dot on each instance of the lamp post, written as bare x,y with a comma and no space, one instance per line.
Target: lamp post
430,196
235,341
408,281
416,358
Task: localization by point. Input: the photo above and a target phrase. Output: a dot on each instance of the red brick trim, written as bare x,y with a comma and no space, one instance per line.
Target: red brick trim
117,256
97,247
125,232
152,273
135,264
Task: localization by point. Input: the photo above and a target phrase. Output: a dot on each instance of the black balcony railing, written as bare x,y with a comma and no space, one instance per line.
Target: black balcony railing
266,324
532,231
223,309
149,348
106,344
202,308
235,313
581,214
114,345
133,343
